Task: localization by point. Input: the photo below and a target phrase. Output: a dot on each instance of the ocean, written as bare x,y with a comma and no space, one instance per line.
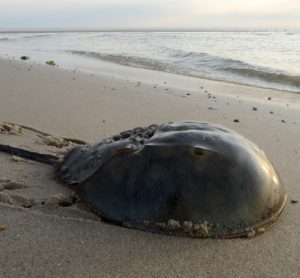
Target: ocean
268,59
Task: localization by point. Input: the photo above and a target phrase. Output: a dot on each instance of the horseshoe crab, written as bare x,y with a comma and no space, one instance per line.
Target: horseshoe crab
184,178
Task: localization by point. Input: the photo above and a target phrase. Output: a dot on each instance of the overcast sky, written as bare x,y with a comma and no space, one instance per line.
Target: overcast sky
149,14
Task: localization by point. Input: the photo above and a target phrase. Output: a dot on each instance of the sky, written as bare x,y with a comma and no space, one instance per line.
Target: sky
19,14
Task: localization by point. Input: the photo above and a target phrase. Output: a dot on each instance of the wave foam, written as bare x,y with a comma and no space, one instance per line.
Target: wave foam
35,36
203,65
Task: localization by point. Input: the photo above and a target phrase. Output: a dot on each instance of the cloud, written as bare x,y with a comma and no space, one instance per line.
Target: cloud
105,14
147,13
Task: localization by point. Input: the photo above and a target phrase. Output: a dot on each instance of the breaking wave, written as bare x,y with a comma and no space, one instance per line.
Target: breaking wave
25,37
204,65
35,36
272,77
125,60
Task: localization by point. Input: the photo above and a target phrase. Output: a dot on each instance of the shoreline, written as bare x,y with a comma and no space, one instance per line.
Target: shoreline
135,73
235,70
90,107
165,86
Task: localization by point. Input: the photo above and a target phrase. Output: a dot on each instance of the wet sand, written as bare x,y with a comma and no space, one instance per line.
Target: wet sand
45,233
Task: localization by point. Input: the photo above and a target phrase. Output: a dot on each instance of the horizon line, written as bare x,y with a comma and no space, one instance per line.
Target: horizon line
146,29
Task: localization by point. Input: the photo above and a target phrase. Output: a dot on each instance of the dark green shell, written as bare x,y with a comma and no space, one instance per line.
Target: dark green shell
186,178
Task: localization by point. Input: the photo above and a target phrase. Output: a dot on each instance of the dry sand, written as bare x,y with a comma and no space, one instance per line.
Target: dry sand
45,233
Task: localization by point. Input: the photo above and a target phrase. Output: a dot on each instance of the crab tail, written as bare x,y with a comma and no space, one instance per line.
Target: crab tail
44,158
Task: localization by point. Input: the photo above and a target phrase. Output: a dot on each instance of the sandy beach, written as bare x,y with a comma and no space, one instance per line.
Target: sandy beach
59,240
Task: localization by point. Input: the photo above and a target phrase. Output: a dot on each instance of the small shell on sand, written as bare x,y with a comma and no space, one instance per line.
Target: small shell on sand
190,228
173,224
2,227
11,129
251,233
260,230
19,159
202,228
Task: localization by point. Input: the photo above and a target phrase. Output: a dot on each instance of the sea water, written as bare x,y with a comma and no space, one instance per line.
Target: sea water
269,59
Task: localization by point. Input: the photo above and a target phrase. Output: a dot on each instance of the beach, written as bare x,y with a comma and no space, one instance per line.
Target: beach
71,241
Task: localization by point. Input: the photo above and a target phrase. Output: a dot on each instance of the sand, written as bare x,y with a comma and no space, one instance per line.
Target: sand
46,232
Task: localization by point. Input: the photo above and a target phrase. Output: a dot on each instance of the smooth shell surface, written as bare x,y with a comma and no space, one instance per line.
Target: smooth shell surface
185,178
